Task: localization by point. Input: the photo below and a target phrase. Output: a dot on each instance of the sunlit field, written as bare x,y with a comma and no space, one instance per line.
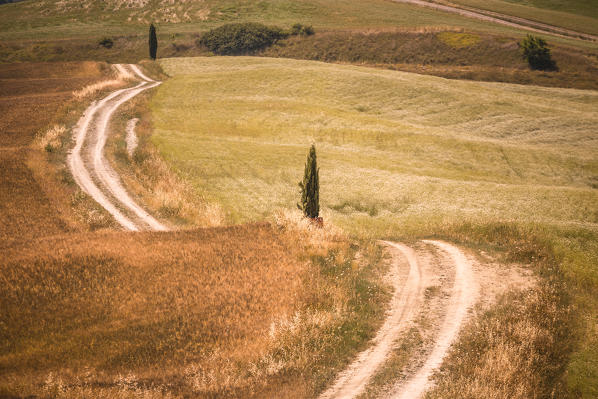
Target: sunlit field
393,147
244,297
405,156
44,30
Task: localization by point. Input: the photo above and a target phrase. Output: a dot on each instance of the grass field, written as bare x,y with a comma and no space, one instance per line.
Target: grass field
580,15
239,128
404,156
233,311
71,19
71,30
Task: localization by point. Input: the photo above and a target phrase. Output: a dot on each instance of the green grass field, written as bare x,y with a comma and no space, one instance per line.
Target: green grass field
401,156
428,147
47,30
32,19
581,15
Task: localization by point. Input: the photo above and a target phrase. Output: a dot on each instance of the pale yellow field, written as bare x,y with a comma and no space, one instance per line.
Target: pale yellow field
396,149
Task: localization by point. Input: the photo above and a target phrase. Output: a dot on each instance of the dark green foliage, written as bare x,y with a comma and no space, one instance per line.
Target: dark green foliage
106,42
310,187
536,53
241,38
153,42
303,30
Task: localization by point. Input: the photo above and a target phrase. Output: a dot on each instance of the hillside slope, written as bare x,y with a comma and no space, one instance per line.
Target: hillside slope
405,156
580,15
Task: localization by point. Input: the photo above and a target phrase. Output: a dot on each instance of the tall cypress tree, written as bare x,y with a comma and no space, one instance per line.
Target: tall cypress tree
153,42
310,186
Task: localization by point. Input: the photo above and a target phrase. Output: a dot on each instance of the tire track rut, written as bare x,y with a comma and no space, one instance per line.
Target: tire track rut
406,304
91,169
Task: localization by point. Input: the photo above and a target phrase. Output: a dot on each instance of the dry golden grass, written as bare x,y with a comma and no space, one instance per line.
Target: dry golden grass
233,311
96,87
520,347
33,96
51,139
121,301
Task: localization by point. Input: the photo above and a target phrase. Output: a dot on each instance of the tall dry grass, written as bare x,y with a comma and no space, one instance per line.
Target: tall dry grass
234,311
51,139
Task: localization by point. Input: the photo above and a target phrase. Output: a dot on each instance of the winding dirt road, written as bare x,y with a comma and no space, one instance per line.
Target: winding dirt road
91,169
406,304
463,297
503,19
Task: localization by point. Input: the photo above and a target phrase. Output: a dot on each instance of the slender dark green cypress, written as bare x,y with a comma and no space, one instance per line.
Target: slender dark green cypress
310,186
153,42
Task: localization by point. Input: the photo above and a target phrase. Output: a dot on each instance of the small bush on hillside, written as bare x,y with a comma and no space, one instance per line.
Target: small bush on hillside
303,30
240,38
537,54
106,42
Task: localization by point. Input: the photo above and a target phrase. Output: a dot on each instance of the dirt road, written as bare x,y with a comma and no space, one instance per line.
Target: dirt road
89,166
463,297
503,19
405,306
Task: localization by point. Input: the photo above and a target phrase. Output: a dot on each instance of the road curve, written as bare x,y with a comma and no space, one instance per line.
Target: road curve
502,19
404,304
463,296
91,169
407,301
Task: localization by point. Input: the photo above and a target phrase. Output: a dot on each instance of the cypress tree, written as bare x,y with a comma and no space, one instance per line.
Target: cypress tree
153,42
310,187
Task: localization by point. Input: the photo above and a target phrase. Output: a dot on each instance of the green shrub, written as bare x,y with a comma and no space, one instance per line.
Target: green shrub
303,30
241,38
536,53
106,42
